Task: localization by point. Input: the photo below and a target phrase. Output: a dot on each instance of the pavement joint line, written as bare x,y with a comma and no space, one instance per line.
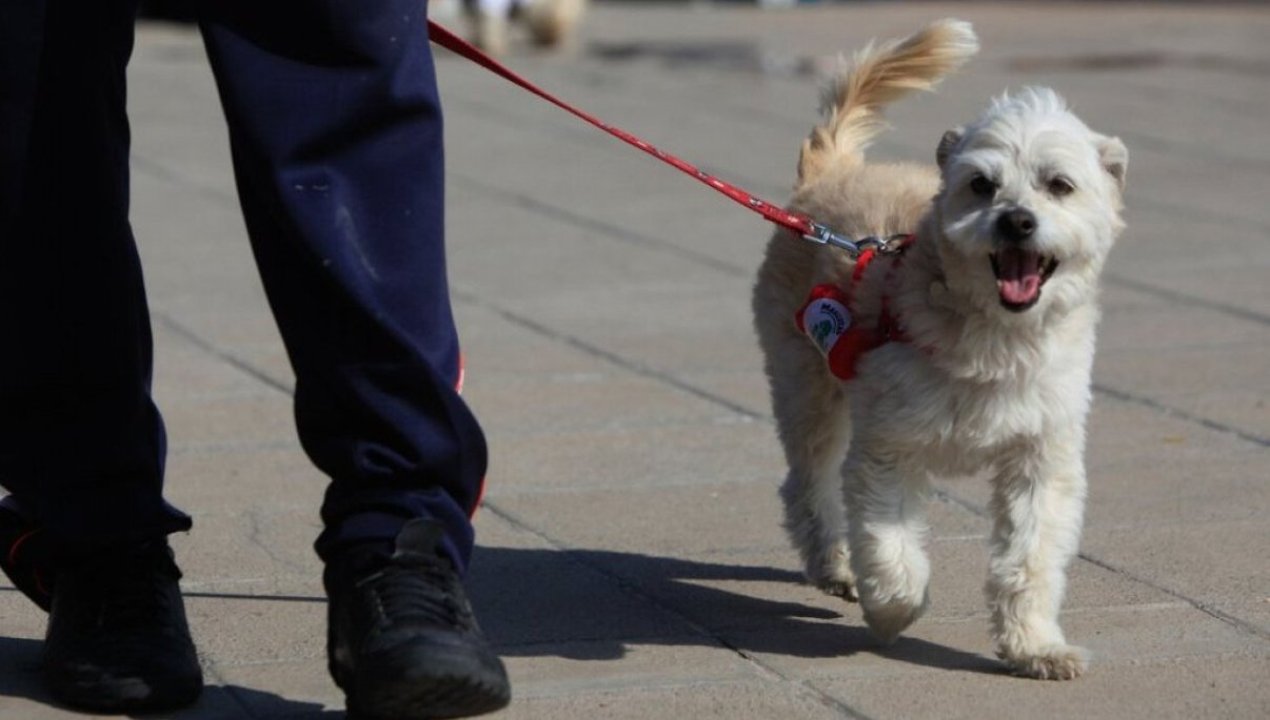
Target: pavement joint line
254,532
1131,398
160,171
684,96
665,377
675,382
598,352
575,133
1239,312
170,323
981,616
615,231
1206,608
219,447
561,213
556,689
651,486
633,589
1184,299
595,639
687,95
252,597
566,216
283,661
1183,217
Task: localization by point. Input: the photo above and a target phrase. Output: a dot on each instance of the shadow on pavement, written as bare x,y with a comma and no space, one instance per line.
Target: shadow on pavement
593,605
20,678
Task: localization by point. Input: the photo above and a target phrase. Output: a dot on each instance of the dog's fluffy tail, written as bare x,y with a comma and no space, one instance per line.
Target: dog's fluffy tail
875,77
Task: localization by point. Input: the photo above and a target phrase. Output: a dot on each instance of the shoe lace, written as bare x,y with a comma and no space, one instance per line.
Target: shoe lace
424,592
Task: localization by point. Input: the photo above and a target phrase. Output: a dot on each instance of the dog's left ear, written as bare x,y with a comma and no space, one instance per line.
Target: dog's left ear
946,145
1114,157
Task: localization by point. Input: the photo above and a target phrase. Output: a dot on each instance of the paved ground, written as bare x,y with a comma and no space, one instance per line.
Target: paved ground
631,563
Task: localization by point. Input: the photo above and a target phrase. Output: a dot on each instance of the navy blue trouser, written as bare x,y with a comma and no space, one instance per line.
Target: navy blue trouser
335,127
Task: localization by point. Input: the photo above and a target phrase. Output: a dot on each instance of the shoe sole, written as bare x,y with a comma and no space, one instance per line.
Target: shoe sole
123,695
439,697
439,685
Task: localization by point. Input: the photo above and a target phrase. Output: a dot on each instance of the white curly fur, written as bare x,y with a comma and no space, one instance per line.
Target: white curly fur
981,387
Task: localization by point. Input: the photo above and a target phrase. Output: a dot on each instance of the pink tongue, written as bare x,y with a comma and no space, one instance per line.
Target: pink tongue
1018,275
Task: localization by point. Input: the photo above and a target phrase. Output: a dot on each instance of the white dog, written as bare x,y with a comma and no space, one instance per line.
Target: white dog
970,352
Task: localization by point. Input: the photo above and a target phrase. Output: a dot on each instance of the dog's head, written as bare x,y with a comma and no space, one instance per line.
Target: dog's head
1030,204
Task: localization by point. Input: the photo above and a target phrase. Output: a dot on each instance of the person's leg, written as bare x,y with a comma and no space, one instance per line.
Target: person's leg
81,443
335,126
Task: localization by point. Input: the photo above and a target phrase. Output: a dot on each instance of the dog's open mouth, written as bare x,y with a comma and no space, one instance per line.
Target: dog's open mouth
1020,275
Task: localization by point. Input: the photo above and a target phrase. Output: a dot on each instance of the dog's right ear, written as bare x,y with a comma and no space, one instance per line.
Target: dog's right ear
946,145
1114,157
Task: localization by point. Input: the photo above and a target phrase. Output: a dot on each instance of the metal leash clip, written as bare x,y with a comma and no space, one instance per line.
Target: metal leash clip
822,235
890,245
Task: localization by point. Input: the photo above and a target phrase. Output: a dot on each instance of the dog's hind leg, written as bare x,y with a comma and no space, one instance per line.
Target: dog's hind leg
814,427
814,515
811,420
887,529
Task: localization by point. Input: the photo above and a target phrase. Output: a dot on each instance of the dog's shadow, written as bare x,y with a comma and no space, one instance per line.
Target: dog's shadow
593,605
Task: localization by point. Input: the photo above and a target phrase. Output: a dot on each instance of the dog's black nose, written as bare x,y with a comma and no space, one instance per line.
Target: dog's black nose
1016,225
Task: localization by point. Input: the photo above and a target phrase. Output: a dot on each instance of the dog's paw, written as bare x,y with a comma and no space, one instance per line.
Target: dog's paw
839,587
887,621
1053,662
832,573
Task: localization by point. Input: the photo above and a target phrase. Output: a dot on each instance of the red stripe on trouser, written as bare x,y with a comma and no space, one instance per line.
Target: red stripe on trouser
458,388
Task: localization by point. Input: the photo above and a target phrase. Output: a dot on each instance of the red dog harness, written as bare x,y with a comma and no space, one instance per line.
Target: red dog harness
826,319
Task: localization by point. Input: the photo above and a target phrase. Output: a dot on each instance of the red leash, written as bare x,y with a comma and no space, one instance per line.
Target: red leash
799,223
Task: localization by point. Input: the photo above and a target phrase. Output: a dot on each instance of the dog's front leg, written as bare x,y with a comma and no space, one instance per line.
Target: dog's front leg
1037,507
886,530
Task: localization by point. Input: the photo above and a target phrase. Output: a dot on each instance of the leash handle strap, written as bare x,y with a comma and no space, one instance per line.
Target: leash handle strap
800,224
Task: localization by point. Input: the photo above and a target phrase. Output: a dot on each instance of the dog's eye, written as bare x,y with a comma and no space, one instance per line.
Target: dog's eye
982,186
1060,186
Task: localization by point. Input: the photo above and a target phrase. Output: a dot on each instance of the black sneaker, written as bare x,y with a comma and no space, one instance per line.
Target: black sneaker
402,640
118,640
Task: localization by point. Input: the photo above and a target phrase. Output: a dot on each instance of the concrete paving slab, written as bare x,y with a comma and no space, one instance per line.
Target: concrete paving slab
238,630
529,592
582,404
253,550
1219,565
311,694
1230,688
1116,637
704,700
684,520
666,456
1148,463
